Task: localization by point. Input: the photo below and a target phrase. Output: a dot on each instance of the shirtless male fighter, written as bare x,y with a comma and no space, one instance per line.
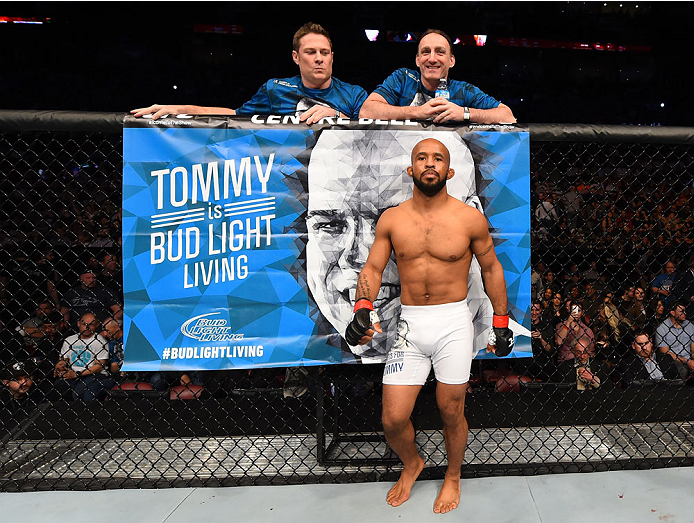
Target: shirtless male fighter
434,237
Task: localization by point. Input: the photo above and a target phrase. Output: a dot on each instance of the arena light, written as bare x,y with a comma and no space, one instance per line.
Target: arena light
401,36
539,43
225,29
371,34
23,20
457,41
480,40
662,104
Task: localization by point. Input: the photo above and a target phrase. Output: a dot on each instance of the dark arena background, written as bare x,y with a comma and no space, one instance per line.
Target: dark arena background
602,87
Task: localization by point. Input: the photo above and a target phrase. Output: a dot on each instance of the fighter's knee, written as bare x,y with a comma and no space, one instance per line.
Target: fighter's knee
452,413
393,422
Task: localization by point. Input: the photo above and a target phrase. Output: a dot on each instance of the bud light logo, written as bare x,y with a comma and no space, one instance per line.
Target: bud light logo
202,328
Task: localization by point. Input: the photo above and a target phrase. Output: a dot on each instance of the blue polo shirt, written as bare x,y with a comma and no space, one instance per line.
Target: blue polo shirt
679,340
404,88
290,96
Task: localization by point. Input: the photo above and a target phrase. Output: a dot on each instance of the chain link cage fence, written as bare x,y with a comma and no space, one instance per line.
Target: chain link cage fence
612,235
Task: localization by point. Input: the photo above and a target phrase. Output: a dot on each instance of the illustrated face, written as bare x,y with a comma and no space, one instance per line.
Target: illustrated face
315,61
354,176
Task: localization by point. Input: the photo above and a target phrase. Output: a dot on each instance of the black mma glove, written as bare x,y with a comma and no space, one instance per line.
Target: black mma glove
501,336
364,317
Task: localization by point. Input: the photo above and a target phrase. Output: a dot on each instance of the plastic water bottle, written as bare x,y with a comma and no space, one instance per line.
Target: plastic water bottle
442,89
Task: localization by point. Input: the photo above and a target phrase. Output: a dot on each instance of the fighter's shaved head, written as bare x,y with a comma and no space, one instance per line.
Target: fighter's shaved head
431,142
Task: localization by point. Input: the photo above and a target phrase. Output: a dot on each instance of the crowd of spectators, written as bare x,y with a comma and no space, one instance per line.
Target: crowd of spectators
61,289
611,263
612,279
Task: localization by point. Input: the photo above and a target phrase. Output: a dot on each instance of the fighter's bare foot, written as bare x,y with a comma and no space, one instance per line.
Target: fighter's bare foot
401,490
449,495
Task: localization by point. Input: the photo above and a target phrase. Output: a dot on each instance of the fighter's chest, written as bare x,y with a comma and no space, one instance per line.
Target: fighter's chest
437,239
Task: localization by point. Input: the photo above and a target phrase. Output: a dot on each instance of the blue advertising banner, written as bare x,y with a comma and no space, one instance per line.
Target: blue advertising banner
243,240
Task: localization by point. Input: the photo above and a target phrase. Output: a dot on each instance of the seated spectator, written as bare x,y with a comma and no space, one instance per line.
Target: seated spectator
637,315
592,274
554,312
591,303
662,284
675,337
569,330
546,215
549,281
566,309
626,300
656,315
111,275
572,290
581,369
44,308
48,347
573,275
542,340
536,280
90,297
82,367
113,332
546,299
608,334
614,318
18,385
643,363
31,332
101,238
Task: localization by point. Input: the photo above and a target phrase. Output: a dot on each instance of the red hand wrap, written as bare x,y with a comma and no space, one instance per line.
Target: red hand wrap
500,321
363,303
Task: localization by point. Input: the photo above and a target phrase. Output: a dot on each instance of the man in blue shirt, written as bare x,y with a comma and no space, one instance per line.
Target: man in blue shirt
313,94
662,284
675,337
409,94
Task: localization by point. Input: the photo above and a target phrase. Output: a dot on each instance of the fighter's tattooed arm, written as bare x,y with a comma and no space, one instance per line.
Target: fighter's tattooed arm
363,287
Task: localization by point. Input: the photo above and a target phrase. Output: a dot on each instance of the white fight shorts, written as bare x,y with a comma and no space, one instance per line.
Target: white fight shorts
438,335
